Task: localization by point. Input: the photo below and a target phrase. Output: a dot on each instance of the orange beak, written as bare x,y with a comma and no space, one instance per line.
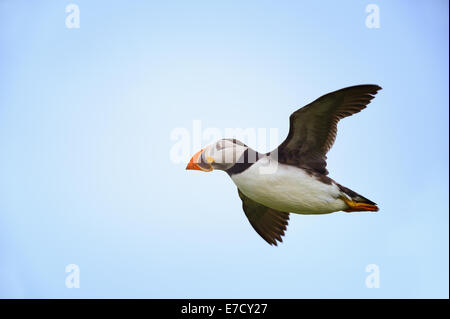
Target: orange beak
194,163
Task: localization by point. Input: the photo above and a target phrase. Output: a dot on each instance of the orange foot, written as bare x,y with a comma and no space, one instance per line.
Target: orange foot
358,207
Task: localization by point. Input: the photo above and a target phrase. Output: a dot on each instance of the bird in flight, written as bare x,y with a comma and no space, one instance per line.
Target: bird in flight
292,178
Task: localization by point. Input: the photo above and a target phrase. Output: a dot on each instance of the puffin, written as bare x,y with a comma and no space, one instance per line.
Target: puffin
293,178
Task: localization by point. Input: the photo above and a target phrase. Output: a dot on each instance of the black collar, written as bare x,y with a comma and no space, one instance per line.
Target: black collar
246,160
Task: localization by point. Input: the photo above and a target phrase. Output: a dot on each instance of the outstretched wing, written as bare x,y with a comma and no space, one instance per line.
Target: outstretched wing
269,223
313,128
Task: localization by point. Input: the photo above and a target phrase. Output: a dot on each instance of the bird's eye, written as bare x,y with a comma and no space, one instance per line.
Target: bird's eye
220,145
203,162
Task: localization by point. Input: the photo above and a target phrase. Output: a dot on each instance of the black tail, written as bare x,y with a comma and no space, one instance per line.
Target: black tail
355,196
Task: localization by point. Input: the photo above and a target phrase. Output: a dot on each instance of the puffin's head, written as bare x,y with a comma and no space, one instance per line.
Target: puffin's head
221,155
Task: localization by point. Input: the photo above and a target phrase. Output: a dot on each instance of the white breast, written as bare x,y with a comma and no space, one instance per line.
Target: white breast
288,188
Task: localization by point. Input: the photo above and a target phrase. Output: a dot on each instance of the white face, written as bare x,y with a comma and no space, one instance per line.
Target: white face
223,154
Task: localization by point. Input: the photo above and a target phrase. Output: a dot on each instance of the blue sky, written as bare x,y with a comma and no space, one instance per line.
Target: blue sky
86,117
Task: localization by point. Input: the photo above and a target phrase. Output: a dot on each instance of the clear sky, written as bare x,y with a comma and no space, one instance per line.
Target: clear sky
87,117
